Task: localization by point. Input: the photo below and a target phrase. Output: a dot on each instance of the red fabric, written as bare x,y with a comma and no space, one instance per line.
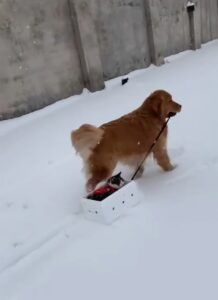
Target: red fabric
104,189
102,192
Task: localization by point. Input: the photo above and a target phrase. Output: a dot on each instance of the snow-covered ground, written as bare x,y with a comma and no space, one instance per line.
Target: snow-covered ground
166,248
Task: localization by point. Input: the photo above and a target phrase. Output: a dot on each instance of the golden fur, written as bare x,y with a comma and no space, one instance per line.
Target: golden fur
126,139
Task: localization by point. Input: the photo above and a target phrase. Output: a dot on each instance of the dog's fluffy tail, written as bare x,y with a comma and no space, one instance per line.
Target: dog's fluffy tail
85,139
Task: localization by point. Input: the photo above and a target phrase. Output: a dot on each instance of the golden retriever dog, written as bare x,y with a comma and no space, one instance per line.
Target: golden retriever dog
126,140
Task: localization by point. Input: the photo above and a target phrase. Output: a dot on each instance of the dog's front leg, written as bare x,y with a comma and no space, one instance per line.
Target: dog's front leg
162,157
97,176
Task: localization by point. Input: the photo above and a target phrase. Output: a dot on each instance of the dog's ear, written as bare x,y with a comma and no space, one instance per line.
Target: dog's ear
157,104
161,109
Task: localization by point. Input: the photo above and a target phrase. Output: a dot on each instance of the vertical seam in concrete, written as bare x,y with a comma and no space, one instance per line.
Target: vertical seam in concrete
150,31
75,26
156,58
148,38
191,29
88,46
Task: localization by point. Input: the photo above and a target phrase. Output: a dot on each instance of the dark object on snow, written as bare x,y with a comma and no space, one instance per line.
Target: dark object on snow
125,80
113,184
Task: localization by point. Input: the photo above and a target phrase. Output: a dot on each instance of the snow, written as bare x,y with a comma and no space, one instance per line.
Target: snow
165,248
190,3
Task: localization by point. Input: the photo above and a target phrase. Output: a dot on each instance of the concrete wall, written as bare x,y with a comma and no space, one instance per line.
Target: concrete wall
39,62
50,50
122,35
171,26
209,20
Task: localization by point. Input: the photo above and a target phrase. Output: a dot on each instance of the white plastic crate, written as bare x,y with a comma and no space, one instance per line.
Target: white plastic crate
115,205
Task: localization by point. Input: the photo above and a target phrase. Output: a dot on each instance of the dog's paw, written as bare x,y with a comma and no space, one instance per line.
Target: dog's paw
170,168
89,187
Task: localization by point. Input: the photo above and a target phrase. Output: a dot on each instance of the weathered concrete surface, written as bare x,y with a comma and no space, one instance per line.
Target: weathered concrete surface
170,26
122,34
157,56
209,20
39,63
